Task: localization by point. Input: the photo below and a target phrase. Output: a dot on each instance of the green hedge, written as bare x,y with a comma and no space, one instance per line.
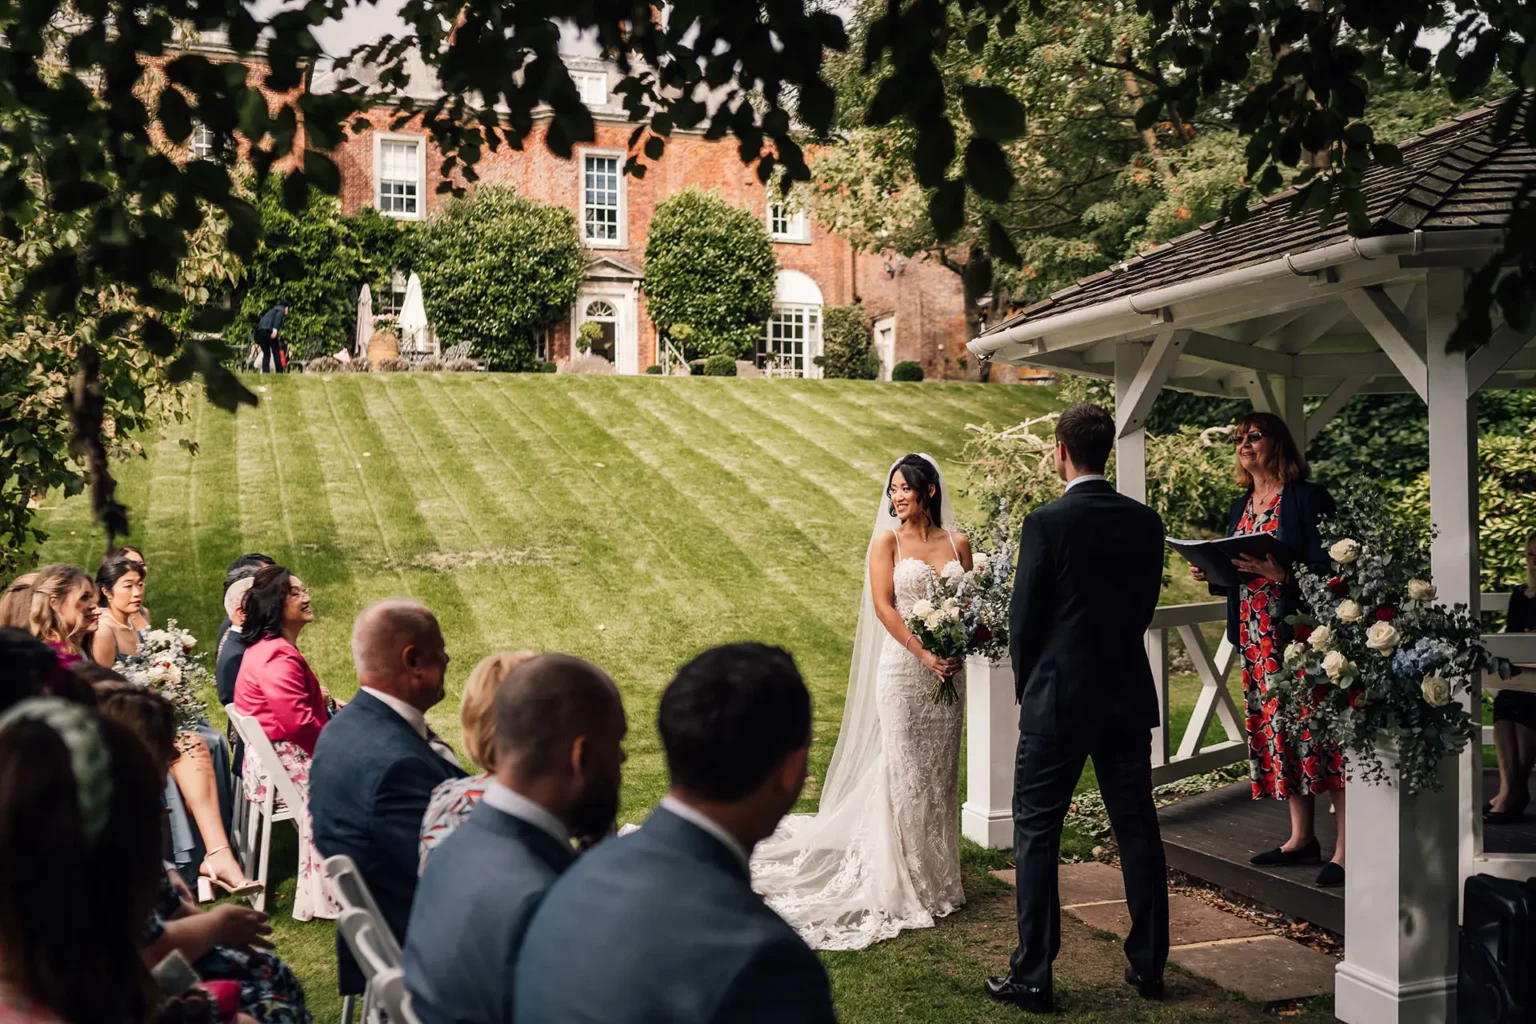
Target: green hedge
907,369
496,267
709,266
848,349
720,365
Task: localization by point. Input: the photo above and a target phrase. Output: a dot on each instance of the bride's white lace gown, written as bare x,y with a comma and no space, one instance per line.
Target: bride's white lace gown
882,855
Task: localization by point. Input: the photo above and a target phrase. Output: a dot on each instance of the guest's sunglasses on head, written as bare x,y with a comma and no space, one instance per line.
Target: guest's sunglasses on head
1252,437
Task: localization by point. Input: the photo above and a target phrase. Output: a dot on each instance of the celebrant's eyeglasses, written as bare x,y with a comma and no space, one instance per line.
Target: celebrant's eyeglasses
1252,437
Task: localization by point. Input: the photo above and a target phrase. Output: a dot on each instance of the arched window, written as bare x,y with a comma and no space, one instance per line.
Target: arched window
601,310
792,339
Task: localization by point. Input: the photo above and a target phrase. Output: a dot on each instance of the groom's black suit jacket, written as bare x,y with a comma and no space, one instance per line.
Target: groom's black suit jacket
1090,571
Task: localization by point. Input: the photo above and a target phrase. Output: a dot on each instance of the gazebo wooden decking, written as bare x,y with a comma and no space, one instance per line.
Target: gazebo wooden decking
1277,310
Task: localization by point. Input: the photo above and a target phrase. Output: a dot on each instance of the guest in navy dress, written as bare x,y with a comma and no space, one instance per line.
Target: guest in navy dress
1284,764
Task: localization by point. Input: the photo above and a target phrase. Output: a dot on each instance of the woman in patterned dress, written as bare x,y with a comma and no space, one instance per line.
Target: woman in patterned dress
277,688
1288,765
453,800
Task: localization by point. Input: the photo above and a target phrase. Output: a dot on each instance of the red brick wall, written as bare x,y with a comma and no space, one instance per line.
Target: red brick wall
925,297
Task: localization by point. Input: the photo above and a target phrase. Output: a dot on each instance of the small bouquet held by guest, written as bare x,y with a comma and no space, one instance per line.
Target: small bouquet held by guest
965,612
165,664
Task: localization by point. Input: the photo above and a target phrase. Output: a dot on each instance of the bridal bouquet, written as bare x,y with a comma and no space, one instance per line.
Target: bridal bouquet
164,663
966,612
1377,658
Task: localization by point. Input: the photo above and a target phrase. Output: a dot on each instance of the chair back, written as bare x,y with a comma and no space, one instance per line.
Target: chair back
352,893
393,997
257,745
362,938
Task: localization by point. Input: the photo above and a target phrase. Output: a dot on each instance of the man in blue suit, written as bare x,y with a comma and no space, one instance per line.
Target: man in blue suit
559,728
663,925
376,763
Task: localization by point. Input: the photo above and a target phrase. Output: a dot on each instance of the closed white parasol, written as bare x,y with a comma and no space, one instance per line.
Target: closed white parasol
414,334
364,330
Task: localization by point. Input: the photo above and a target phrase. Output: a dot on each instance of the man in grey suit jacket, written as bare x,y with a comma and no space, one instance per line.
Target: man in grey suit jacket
559,726
662,925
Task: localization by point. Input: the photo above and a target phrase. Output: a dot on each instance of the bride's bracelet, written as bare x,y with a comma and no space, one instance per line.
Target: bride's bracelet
909,639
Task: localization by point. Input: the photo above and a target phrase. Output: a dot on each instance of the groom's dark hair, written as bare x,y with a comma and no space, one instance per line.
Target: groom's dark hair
1088,431
730,716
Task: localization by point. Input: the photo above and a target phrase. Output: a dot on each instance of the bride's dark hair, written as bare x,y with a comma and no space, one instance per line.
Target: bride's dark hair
920,475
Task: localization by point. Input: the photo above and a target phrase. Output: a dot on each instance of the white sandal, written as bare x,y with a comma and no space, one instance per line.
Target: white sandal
206,882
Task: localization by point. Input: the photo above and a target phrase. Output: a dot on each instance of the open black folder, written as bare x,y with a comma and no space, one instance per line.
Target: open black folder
1215,556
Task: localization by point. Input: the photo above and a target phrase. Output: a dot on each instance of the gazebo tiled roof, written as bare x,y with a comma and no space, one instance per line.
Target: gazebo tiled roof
1454,176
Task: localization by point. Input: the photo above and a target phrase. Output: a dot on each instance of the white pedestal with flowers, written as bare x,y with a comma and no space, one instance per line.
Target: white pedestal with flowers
991,746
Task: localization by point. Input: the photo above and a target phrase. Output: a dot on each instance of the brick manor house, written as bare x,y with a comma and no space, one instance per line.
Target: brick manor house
916,306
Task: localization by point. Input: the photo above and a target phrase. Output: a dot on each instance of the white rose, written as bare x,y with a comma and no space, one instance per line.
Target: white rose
1335,664
188,641
1382,638
156,673
953,570
1344,551
1437,692
923,608
1294,650
981,561
1421,590
157,638
1349,611
932,620
173,675
1320,637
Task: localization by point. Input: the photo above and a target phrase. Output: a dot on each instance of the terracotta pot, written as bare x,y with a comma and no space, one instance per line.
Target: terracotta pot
383,345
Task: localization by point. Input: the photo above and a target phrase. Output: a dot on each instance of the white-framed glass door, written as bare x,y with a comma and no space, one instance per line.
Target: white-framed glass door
615,315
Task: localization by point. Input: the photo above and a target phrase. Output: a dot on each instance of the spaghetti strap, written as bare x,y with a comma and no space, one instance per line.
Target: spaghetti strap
898,544
952,544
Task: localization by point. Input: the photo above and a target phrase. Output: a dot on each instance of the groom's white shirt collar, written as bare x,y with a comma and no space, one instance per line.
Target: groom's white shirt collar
511,802
1082,480
698,818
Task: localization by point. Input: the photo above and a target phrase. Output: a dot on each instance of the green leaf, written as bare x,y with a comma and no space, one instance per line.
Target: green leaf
987,170
993,112
946,208
1000,245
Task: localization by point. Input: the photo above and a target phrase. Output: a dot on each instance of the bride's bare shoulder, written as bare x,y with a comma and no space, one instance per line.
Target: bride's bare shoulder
884,543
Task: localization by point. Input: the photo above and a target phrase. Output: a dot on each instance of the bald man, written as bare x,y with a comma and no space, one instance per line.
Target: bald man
376,763
559,729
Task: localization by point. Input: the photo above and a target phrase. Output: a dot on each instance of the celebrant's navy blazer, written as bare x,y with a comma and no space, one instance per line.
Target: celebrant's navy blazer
663,926
1302,504
369,784
472,907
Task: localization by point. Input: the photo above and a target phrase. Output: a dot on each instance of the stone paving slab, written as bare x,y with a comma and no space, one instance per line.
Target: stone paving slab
1087,882
1189,921
1267,969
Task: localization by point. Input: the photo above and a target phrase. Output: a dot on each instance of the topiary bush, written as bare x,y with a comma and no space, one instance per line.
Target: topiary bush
549,366
355,366
907,369
323,364
653,369
461,366
848,349
709,265
394,365
720,365
428,365
495,268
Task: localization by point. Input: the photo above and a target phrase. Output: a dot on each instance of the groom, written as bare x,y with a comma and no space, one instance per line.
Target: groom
1090,570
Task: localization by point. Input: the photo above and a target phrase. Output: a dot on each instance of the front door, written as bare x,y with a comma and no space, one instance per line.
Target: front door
885,344
613,333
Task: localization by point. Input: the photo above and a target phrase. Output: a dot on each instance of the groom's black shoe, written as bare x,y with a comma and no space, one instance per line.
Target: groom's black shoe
1025,997
1145,989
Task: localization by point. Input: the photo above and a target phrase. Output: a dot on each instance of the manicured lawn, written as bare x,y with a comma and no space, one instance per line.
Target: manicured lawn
632,521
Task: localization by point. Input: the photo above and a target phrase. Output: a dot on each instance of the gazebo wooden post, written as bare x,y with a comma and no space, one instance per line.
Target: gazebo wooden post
1401,901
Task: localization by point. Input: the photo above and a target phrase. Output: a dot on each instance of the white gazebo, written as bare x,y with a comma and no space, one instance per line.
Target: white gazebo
1277,310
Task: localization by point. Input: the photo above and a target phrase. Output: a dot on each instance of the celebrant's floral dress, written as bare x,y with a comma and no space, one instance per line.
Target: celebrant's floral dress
1281,766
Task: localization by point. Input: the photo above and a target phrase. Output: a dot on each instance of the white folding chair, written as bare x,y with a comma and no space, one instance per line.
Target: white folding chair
377,954
258,839
352,893
394,998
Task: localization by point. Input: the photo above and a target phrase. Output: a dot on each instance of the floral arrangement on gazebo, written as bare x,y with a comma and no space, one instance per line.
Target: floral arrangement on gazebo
1376,662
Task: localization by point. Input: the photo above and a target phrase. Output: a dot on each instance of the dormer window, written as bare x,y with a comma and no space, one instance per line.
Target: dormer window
593,87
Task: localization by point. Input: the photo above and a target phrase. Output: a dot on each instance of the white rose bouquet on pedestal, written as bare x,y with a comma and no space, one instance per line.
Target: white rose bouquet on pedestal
966,612
165,664
1376,658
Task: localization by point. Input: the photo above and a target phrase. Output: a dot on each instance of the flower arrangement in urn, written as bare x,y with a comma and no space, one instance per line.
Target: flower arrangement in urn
1377,657
164,663
966,612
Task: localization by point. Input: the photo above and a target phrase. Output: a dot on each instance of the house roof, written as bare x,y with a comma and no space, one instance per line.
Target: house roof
1454,176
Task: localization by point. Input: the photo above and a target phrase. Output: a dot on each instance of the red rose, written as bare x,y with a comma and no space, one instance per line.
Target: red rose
1386,613
1338,586
1302,632
1357,698
983,634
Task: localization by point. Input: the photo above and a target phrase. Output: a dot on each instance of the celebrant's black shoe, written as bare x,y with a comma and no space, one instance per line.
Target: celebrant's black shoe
1145,989
1331,875
1025,997
1311,853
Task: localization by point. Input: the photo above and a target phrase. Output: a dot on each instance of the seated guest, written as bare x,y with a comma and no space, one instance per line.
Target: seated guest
1514,713
377,762
276,687
64,610
16,602
140,619
559,723
80,855
453,800
228,943
665,919
32,669
234,644
245,565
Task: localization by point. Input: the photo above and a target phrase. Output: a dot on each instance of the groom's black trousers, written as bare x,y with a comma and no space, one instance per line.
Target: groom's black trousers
1047,770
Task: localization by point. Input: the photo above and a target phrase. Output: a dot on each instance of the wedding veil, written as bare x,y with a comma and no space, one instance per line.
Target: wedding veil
832,874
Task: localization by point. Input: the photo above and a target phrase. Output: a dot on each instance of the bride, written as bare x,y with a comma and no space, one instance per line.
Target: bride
883,852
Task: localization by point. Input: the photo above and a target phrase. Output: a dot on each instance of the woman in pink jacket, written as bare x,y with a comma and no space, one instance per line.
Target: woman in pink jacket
278,689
